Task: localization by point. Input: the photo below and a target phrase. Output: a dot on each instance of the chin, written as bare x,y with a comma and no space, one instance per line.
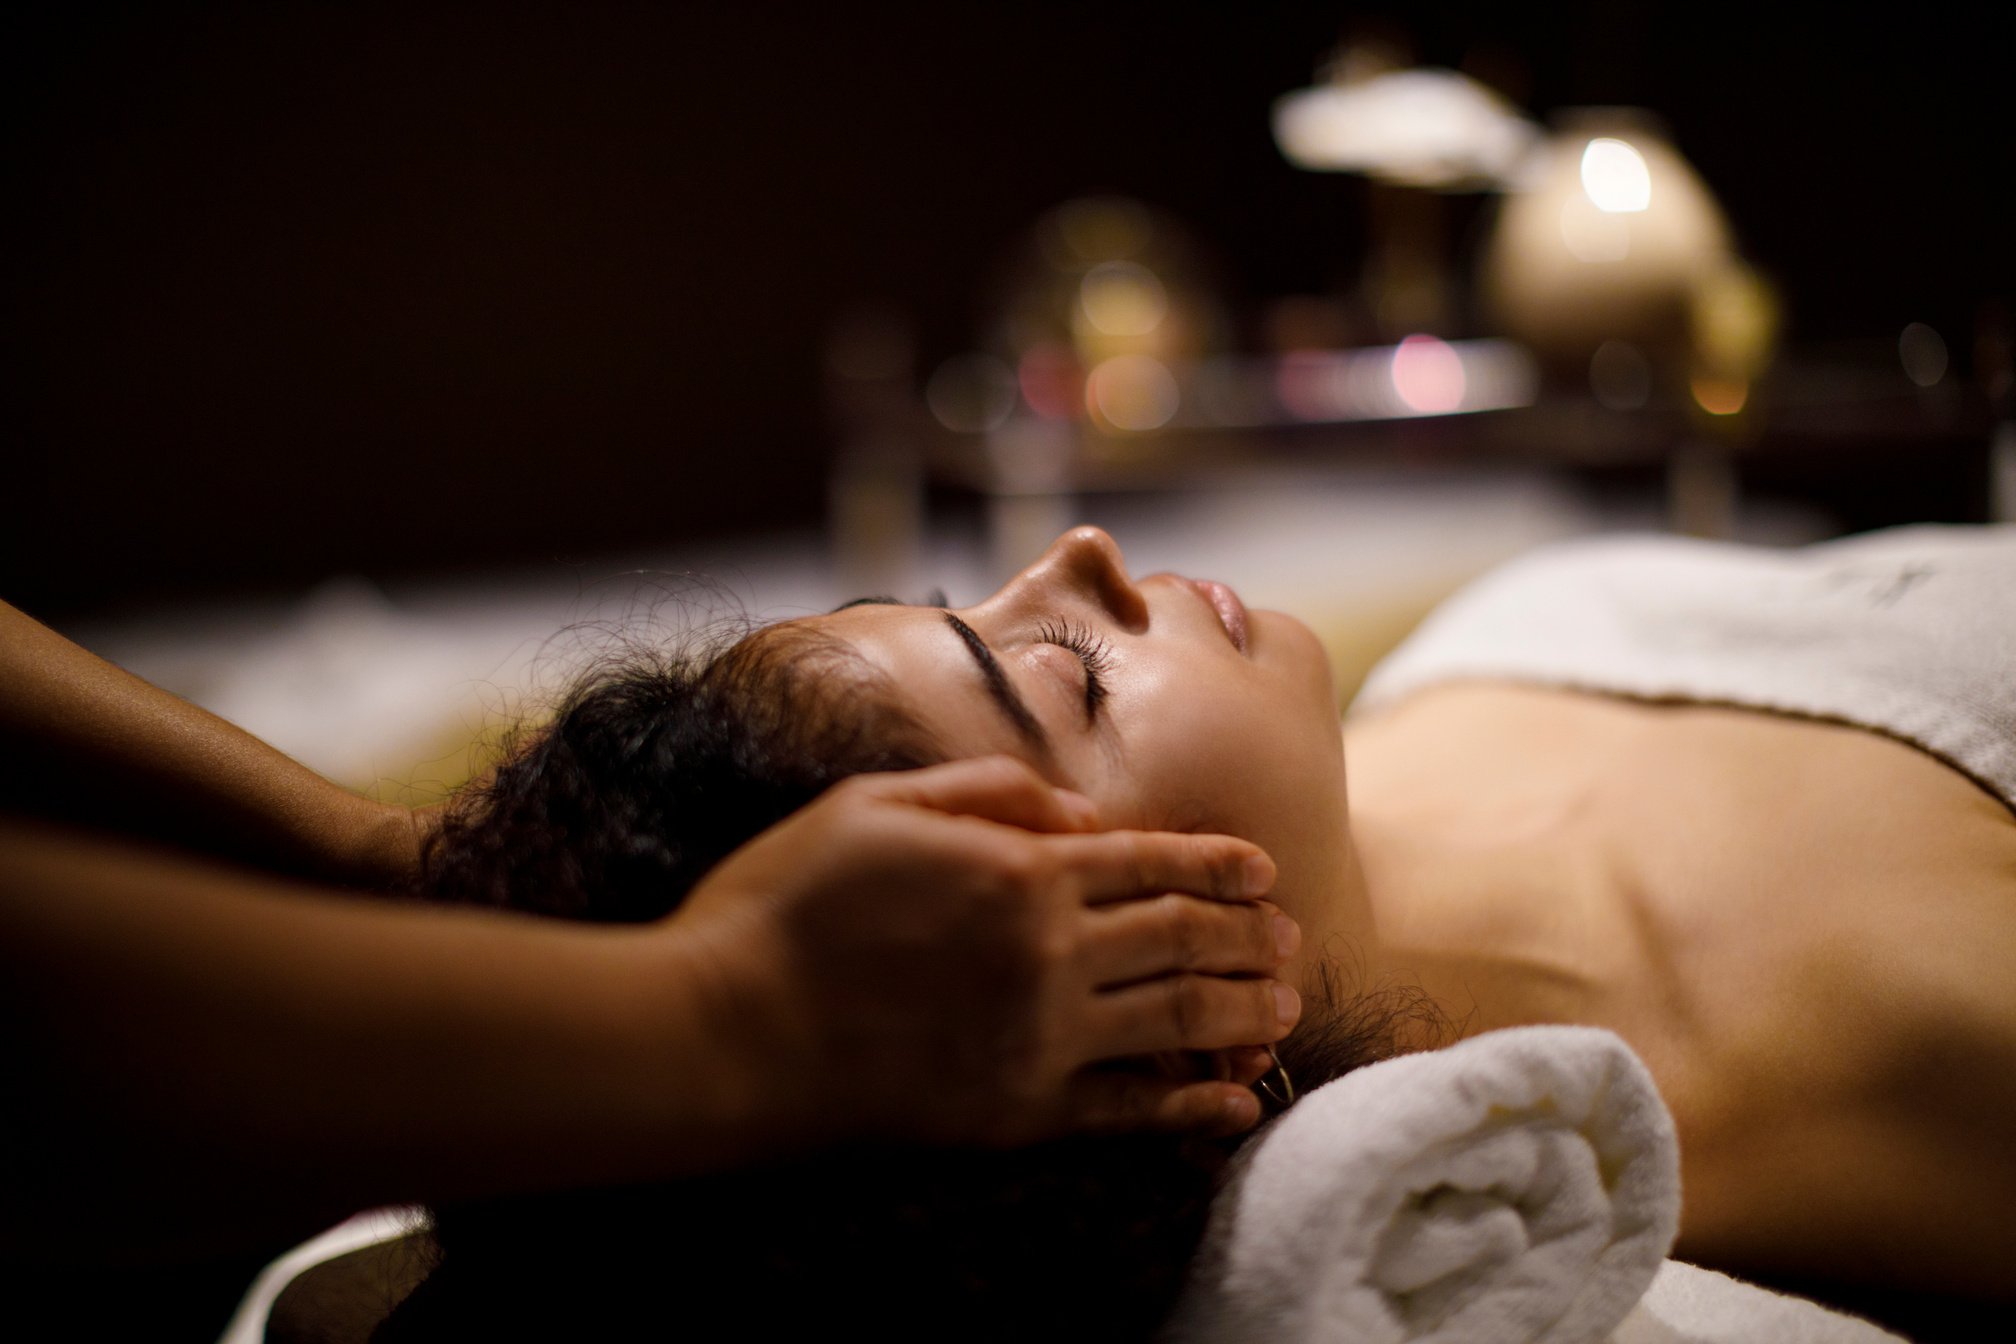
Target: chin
1290,642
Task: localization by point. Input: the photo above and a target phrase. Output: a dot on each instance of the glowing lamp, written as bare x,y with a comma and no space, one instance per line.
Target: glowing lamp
1610,238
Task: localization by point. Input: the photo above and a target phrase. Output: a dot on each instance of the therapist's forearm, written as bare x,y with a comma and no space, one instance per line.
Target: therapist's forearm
90,743
202,1057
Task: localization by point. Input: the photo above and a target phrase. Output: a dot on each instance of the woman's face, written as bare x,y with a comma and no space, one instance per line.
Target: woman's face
1163,700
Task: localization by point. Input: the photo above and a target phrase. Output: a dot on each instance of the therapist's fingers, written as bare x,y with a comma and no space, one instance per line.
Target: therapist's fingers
1139,940
1190,1012
1127,1103
1249,1064
1128,865
992,788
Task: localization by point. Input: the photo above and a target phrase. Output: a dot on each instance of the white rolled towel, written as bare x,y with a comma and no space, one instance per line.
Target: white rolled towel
1522,1185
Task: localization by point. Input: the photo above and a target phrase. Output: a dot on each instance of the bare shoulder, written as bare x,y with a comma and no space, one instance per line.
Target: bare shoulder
1818,963
1845,909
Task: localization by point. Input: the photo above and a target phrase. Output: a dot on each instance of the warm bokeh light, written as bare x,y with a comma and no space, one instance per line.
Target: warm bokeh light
1720,396
1428,375
1421,376
1133,393
1122,298
1052,381
1615,176
1735,320
1923,352
1591,234
1102,277
1608,241
1734,323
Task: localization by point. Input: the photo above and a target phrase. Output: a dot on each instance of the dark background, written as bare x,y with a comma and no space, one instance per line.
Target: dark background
404,289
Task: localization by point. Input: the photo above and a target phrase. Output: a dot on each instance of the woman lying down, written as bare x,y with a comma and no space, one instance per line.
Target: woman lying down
1753,811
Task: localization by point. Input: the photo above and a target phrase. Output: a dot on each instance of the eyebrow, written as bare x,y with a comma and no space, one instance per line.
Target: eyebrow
934,598
998,686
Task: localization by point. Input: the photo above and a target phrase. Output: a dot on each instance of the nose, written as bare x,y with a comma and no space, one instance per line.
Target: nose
1085,562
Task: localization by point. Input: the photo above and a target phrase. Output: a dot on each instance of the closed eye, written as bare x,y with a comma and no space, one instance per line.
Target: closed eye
1092,651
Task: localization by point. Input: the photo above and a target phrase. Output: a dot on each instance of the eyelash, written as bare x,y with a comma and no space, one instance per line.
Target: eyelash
1092,651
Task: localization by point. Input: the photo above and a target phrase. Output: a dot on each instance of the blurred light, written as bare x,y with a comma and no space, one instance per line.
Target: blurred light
1734,319
1497,375
1592,235
1563,274
1428,375
971,394
1420,376
1132,392
1923,351
1616,177
1051,381
1720,396
1420,128
1101,277
1620,376
1121,298
1308,384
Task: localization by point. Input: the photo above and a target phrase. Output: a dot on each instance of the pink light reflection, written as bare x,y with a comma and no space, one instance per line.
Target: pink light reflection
1428,375
1052,383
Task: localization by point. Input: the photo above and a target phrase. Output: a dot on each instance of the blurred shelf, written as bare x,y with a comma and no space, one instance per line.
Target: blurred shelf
1849,436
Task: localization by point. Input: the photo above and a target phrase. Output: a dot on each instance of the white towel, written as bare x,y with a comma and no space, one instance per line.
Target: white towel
1909,631
1520,1186
1690,1305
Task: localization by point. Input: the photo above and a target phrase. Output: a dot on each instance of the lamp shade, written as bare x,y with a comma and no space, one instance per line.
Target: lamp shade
1611,238
1424,127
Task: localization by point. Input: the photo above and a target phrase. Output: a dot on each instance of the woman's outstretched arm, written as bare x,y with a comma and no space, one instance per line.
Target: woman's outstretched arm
88,743
200,1056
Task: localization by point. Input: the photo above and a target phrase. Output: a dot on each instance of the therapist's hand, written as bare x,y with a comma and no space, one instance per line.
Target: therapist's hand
955,955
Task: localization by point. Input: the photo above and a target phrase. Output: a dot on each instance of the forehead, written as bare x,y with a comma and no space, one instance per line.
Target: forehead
931,673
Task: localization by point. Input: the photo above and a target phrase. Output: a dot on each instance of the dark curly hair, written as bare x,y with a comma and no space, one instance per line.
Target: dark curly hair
656,765
652,770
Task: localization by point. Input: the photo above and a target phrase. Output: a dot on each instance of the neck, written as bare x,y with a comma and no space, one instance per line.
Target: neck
1483,913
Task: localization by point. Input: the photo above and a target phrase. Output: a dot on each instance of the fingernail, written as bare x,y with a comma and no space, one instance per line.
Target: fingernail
1258,875
1287,937
1287,1005
1241,1110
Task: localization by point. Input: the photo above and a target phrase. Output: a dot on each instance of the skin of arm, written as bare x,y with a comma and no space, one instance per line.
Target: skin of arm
91,744
204,1056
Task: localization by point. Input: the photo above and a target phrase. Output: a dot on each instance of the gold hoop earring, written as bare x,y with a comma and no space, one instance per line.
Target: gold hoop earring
1276,1085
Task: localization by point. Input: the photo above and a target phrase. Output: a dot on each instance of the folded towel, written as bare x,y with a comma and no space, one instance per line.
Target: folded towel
1520,1186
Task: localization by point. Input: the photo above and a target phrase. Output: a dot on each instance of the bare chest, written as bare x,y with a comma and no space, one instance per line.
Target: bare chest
1775,911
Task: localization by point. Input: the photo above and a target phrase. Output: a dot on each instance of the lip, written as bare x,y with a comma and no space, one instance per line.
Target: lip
1230,610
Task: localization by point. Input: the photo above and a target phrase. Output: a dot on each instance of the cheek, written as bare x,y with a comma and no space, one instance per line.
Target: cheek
1255,757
